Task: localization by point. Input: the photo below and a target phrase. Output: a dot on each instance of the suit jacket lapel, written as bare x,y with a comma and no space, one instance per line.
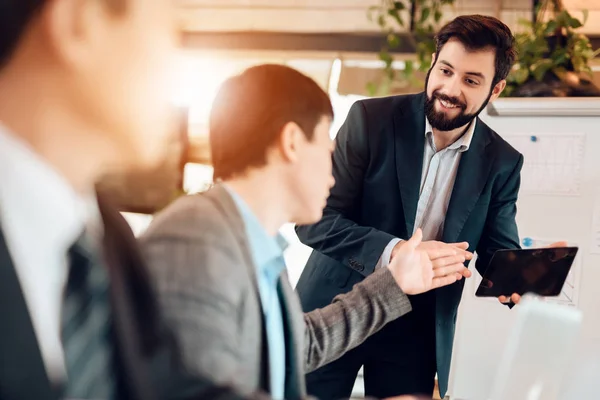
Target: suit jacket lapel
224,202
471,177
409,140
23,375
293,319
134,308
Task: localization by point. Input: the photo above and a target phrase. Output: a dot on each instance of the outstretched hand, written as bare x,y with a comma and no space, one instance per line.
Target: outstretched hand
415,272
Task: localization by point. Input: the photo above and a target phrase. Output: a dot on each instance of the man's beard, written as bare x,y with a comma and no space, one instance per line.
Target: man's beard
439,120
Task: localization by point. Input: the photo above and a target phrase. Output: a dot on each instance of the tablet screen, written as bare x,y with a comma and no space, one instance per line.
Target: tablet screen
539,271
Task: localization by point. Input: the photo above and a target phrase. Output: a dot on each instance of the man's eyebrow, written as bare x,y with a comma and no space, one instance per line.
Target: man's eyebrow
477,74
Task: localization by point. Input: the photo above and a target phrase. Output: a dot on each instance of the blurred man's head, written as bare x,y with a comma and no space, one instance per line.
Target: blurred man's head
274,118
473,57
105,65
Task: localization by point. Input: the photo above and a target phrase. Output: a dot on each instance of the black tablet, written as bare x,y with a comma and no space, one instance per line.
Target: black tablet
540,271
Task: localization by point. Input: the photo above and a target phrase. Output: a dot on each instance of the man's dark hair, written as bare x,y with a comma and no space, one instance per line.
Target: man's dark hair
251,109
15,17
478,32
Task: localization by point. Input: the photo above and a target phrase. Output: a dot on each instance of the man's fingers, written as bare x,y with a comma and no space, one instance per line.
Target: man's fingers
558,244
446,251
450,260
462,246
450,270
441,252
515,298
416,239
443,281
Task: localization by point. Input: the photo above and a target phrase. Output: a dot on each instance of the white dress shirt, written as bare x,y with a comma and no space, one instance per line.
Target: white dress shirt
41,217
437,181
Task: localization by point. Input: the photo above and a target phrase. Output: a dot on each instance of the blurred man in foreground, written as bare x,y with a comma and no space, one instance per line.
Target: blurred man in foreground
83,91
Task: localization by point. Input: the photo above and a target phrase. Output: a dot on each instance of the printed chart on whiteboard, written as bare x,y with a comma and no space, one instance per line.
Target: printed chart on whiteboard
595,234
570,291
552,162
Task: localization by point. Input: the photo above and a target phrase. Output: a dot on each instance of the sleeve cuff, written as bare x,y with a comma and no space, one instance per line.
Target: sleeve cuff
384,260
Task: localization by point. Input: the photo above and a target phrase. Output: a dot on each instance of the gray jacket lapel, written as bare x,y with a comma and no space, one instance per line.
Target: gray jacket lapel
293,318
223,201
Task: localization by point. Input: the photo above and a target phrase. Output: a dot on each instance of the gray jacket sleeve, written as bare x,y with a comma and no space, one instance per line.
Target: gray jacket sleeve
352,317
196,304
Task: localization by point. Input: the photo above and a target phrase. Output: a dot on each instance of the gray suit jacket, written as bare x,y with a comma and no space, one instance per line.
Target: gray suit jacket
200,261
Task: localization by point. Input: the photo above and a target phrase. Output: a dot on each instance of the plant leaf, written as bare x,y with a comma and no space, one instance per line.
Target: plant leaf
370,11
521,75
386,57
550,27
575,23
425,14
393,40
398,5
408,67
540,68
371,89
396,16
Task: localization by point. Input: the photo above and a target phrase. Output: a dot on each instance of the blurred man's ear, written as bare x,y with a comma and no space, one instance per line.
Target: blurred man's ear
289,141
74,29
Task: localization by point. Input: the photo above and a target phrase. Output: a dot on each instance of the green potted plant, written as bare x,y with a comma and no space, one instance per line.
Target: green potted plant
553,61
554,58
419,19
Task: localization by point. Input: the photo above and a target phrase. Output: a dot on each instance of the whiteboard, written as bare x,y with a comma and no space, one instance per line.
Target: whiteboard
565,151
552,161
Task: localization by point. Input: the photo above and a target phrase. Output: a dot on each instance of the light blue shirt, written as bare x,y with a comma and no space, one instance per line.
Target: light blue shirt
267,254
437,182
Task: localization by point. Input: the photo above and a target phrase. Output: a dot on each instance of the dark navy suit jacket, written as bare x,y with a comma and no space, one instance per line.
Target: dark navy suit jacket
377,166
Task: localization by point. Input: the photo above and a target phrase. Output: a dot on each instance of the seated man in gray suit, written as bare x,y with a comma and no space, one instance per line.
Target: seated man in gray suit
217,259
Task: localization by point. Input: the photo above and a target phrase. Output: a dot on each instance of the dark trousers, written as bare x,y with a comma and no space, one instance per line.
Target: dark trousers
398,360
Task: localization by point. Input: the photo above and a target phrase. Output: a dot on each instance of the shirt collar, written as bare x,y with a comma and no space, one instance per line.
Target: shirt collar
462,144
37,204
264,248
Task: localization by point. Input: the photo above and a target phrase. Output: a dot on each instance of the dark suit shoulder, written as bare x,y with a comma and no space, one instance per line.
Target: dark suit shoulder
373,120
504,150
389,105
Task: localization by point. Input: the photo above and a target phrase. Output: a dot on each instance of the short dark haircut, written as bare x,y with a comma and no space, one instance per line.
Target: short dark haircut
251,109
478,32
15,17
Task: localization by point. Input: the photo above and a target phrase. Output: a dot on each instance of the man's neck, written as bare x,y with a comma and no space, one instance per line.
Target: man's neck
444,139
32,110
264,196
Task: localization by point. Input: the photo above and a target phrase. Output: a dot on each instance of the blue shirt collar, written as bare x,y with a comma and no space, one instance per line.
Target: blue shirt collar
462,144
264,248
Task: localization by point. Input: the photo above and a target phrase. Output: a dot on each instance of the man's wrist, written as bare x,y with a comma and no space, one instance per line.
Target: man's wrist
395,249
